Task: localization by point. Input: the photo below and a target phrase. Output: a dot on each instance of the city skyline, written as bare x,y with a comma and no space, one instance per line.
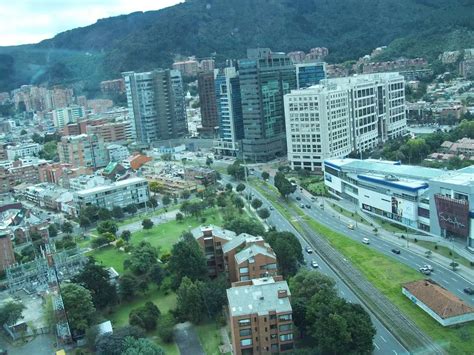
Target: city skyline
24,23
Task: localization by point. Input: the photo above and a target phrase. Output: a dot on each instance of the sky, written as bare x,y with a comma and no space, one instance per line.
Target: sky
30,21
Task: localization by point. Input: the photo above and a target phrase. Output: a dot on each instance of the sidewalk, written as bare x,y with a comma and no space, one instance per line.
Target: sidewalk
462,270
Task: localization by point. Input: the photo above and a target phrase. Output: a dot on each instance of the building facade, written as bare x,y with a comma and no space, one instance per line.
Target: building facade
120,193
7,255
318,126
83,150
309,74
66,115
434,202
229,111
207,100
22,150
156,105
265,77
261,319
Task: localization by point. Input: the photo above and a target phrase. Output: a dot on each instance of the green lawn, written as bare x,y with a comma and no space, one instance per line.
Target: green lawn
388,275
210,337
350,214
391,227
110,256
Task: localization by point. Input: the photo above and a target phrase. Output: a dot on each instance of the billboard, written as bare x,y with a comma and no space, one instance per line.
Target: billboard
453,215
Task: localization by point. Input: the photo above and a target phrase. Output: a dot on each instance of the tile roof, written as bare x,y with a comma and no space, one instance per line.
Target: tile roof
251,251
438,299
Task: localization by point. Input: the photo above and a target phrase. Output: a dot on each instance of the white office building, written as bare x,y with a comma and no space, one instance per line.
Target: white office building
117,152
66,115
120,193
317,125
23,150
375,111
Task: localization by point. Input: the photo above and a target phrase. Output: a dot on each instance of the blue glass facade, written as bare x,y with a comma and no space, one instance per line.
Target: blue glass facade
310,74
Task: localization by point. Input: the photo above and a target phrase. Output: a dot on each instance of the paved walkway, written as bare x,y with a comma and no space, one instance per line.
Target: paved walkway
187,339
462,270
227,346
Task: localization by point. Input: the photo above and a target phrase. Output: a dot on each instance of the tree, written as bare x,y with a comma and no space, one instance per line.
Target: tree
263,213
145,317
67,227
240,187
288,251
179,217
185,194
152,202
96,279
131,208
126,235
256,203
104,214
117,212
228,187
188,296
50,151
156,274
52,230
238,202
147,223
11,312
107,227
166,200
283,185
165,327
79,307
209,161
187,260
214,294
143,257
156,187
84,222
113,343
265,176
142,346
244,225
236,170
128,286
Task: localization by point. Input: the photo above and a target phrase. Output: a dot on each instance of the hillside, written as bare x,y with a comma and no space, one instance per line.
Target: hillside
140,41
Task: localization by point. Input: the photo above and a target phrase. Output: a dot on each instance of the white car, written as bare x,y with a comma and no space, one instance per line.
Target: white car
429,267
314,264
366,241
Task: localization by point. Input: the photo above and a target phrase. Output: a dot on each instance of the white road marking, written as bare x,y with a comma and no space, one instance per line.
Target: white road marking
452,278
460,291
402,257
342,293
383,339
395,352
446,282
378,348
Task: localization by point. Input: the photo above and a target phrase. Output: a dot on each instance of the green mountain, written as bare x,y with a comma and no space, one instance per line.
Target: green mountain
142,41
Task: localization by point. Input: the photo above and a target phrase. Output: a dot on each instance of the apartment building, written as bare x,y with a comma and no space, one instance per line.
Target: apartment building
121,193
207,101
66,115
7,255
318,125
83,150
260,316
22,150
119,131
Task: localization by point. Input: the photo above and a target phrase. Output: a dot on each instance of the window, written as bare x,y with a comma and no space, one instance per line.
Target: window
284,317
246,342
244,322
245,332
285,327
286,337
244,270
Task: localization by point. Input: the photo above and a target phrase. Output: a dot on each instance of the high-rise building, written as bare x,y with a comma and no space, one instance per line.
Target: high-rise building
7,256
261,317
156,105
207,100
318,126
66,115
264,78
229,111
85,150
309,74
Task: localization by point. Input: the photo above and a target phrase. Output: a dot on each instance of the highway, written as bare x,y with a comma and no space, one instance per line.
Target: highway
384,341
442,274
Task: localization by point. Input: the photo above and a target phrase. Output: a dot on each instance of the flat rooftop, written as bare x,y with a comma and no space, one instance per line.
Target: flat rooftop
260,297
112,186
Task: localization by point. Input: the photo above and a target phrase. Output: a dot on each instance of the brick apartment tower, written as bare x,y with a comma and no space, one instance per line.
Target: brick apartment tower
7,256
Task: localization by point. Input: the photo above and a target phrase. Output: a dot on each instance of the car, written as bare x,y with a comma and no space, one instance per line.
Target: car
396,251
350,226
309,250
271,208
302,205
314,264
313,198
308,206
425,270
469,291
429,267
365,240
298,198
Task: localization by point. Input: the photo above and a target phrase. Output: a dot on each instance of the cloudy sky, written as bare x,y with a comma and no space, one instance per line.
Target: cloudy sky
30,21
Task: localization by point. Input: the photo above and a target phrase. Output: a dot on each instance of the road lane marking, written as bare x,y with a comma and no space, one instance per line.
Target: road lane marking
402,257
395,352
446,282
378,348
383,339
460,291
452,278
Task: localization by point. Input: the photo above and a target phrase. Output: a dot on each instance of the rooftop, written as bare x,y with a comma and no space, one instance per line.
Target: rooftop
219,232
260,297
97,189
250,252
241,238
438,299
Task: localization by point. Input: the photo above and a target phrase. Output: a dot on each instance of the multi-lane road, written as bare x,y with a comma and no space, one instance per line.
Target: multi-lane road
384,341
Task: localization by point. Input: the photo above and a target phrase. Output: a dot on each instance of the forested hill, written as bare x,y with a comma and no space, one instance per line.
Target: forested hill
349,28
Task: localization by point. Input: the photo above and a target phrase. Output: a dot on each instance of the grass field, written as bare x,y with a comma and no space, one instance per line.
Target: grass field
210,337
350,214
444,251
109,256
